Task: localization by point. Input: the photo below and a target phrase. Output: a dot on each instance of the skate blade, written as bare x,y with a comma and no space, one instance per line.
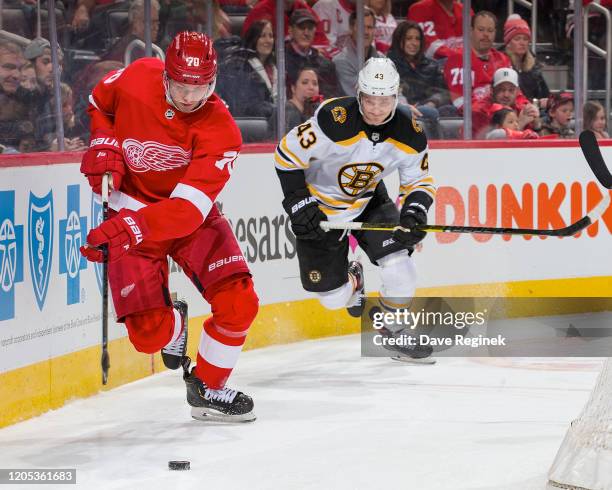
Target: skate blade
409,360
210,415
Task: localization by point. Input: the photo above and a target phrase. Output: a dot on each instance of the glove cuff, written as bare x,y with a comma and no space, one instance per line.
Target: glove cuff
419,200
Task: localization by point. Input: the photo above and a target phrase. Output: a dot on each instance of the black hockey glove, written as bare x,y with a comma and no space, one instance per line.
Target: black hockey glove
413,214
305,215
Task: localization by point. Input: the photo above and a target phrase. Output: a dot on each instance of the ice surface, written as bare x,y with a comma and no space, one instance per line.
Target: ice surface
327,419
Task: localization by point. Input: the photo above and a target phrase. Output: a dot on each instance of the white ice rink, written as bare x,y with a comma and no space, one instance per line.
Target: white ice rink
327,419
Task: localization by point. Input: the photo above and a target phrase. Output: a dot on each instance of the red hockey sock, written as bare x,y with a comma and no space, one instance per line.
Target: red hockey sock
234,306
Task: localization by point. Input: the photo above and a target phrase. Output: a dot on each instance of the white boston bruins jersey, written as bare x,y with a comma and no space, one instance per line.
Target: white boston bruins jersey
343,158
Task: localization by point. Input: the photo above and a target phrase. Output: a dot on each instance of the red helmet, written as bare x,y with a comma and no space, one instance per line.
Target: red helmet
191,58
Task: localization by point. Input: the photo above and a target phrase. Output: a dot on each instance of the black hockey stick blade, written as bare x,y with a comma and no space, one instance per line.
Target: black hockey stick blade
592,154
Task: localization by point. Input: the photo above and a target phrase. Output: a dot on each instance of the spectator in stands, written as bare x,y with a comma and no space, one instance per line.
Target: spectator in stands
83,87
83,11
594,118
41,105
505,92
560,109
136,30
266,9
299,53
248,79
28,77
516,38
74,132
334,16
442,24
422,83
191,15
346,62
505,125
485,61
305,97
385,24
14,114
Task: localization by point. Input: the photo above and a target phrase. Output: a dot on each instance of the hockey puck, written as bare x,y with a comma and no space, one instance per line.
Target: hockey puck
178,465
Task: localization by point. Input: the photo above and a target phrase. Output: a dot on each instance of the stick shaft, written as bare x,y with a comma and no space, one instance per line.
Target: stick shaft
570,230
105,360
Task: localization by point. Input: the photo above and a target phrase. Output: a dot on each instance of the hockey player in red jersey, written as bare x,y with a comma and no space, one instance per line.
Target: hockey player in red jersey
170,145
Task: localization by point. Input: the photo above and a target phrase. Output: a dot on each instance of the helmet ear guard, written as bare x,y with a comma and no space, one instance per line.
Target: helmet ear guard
380,78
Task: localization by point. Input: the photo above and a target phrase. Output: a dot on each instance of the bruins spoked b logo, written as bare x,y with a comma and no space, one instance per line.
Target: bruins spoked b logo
355,178
339,114
314,276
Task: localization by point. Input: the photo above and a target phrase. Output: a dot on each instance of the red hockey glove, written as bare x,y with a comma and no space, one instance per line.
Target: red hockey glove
104,155
119,233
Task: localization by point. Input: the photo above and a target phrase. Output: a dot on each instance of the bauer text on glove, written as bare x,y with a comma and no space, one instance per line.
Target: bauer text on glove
103,156
120,233
305,215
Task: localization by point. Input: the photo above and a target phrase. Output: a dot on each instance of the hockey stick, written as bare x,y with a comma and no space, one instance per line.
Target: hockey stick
592,153
105,361
570,230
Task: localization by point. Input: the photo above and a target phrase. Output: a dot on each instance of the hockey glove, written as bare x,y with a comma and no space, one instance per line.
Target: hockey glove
104,155
413,214
305,215
119,234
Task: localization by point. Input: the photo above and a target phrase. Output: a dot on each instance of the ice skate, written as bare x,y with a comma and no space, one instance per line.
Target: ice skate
355,269
224,405
173,354
410,354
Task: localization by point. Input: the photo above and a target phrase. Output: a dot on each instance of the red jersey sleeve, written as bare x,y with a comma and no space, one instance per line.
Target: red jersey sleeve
103,101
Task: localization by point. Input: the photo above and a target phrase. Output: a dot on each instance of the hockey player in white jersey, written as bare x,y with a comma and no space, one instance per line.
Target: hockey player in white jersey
332,167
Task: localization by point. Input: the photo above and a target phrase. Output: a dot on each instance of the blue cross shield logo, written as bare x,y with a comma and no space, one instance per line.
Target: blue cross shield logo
72,234
40,244
96,220
11,254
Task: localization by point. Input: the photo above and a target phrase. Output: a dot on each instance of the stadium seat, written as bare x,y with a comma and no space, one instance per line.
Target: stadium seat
117,23
14,20
451,127
236,22
253,129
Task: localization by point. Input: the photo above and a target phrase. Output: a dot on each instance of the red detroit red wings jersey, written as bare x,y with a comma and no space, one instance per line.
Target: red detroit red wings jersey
168,154
443,32
482,74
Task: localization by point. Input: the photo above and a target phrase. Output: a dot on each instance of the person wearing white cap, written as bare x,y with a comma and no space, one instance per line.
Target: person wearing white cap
505,91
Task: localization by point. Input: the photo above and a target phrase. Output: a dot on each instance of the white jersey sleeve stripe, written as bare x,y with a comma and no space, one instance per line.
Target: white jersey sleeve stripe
118,201
433,47
92,101
195,197
285,149
283,165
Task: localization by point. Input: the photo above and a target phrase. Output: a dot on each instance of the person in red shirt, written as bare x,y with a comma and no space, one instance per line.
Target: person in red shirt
266,9
170,145
505,92
442,24
485,61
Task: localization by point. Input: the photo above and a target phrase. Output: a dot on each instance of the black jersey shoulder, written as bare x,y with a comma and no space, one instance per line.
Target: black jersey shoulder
405,129
340,119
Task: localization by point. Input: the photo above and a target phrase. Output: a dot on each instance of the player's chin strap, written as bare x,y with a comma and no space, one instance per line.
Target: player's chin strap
211,89
390,115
